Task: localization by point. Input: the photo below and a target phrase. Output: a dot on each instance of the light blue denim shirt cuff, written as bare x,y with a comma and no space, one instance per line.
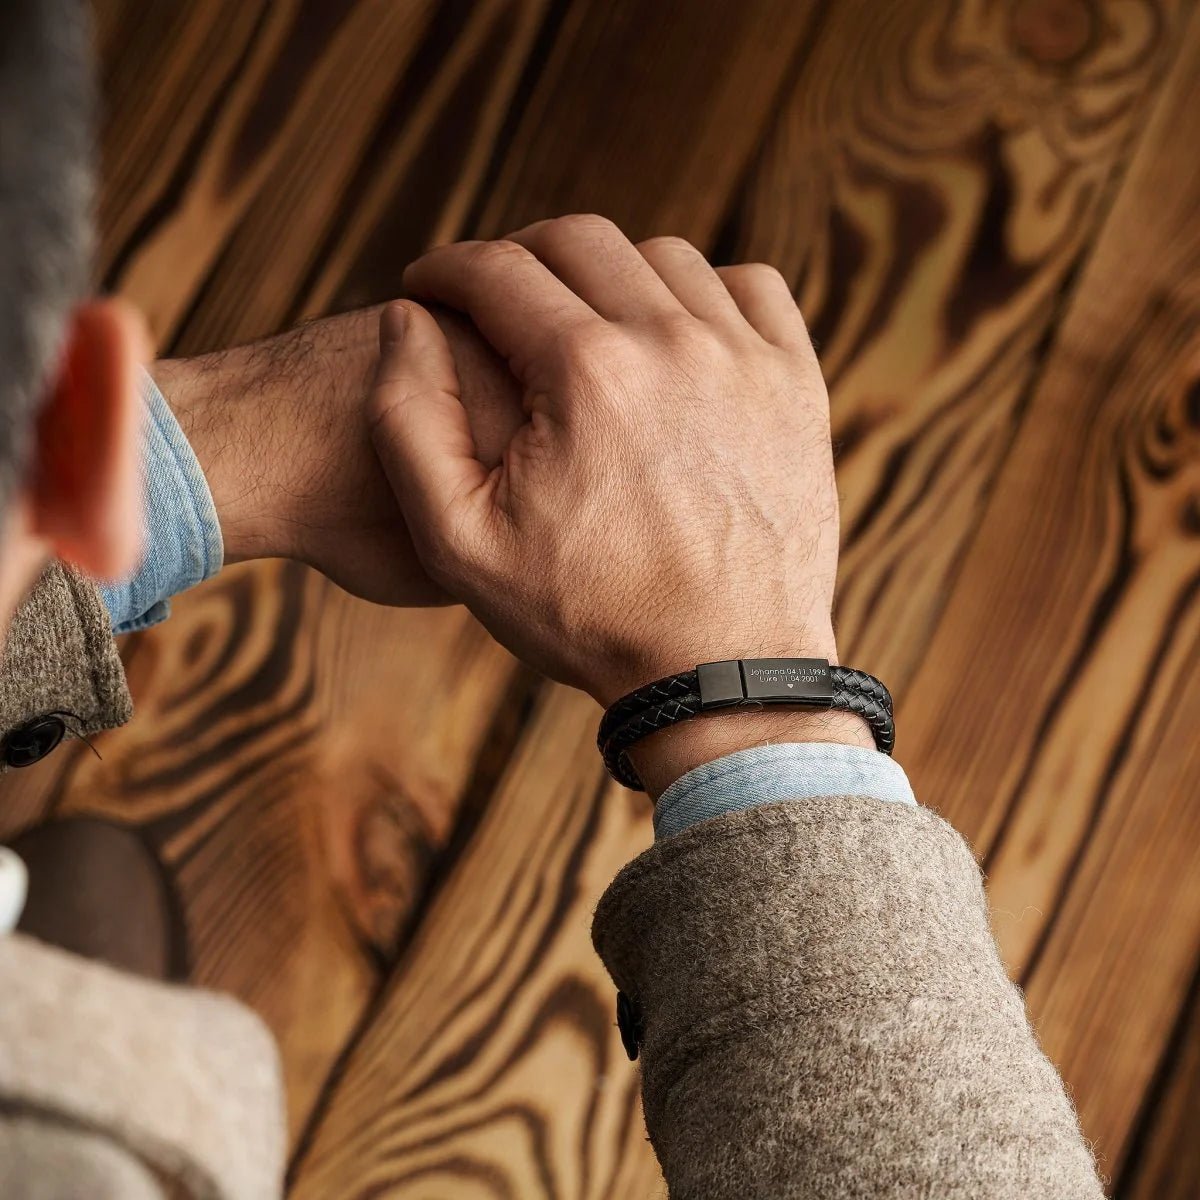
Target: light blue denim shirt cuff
182,543
775,774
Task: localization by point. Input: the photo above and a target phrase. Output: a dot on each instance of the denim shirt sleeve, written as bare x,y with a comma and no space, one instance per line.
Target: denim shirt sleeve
183,536
774,774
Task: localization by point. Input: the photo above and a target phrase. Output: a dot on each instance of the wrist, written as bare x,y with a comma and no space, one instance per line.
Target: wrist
204,395
666,755
674,646
260,417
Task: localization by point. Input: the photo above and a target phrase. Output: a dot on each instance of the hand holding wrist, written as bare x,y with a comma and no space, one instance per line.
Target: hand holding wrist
279,429
670,498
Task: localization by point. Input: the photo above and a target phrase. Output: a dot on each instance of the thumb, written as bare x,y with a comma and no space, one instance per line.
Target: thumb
418,424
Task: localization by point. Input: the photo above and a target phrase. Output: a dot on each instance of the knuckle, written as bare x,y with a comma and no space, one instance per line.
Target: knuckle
681,332
499,254
668,244
588,346
583,225
765,276
756,274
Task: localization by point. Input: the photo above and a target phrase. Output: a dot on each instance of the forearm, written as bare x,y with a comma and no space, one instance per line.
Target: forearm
279,429
232,469
201,392
266,431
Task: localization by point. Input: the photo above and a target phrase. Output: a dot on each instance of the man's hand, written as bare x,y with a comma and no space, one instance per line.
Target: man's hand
278,428
670,498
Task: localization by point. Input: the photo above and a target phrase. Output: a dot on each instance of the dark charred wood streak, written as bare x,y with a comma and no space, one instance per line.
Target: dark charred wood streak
918,215
314,25
548,911
406,227
876,508
274,669
509,723
228,783
1163,1161
1124,565
1120,751
573,1002
1138,460
991,277
169,201
1192,403
548,32
238,592
628,146
848,248
459,1166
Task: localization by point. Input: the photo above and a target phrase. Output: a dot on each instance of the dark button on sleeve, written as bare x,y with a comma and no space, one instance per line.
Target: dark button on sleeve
33,741
630,1024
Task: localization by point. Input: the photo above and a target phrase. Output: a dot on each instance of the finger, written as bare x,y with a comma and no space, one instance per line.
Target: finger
518,305
600,264
418,425
691,279
766,302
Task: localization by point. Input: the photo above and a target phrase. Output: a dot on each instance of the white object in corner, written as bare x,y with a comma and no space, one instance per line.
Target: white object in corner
14,884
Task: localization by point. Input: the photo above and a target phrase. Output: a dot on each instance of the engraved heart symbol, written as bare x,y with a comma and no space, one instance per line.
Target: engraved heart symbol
791,685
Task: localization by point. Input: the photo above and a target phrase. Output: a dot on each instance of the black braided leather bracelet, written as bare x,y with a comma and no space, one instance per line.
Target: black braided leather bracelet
740,683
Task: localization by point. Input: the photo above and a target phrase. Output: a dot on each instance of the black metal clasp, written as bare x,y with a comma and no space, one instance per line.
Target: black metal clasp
804,681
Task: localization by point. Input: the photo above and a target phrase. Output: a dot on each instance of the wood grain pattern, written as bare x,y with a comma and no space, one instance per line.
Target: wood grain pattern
326,129
169,71
491,1067
1089,560
697,80
935,177
1166,1163
419,184
385,836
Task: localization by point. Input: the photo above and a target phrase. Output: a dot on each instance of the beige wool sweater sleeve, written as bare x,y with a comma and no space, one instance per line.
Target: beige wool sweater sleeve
823,1013
59,657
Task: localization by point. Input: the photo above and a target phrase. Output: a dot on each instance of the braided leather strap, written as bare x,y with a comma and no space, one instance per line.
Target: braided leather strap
850,685
678,697
673,687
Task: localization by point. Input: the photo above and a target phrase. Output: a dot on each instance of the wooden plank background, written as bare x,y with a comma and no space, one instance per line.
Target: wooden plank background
988,210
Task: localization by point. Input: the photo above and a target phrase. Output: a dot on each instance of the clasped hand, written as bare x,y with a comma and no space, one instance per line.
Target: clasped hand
618,457
669,495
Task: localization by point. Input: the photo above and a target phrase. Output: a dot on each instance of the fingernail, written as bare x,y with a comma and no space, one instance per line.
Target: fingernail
394,322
